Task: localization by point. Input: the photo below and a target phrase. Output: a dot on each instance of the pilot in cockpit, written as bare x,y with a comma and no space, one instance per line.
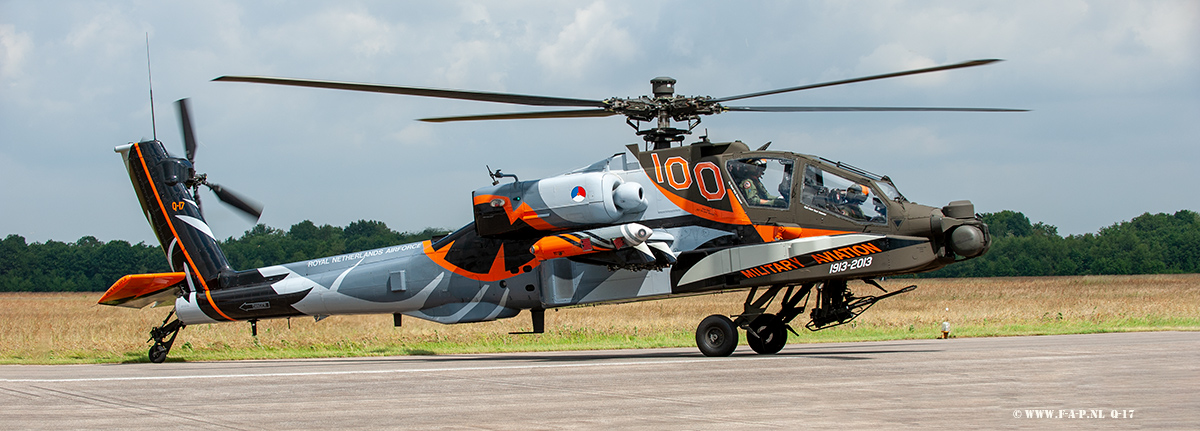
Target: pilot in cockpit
748,175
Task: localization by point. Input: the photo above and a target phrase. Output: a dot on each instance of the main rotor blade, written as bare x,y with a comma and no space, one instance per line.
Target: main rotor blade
237,201
480,96
865,78
861,109
185,125
524,115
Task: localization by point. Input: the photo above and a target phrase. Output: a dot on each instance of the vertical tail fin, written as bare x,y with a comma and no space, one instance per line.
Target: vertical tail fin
161,185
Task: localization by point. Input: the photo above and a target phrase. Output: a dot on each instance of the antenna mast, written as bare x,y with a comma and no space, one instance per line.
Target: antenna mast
150,78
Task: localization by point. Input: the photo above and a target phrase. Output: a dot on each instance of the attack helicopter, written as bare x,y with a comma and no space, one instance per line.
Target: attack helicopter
657,220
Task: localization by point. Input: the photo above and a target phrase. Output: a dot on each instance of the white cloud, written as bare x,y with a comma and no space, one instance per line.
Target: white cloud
1172,33
342,40
595,39
14,46
105,36
475,12
366,35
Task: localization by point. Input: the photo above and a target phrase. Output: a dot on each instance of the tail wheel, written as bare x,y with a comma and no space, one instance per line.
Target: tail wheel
716,336
767,334
163,337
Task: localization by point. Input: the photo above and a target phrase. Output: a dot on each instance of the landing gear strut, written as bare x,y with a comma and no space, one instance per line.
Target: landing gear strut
163,337
767,333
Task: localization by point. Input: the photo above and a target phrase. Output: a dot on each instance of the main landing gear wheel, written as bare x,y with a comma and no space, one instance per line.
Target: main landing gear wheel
716,336
767,334
158,353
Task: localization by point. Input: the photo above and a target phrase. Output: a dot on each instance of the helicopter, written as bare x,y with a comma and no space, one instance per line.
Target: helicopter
658,220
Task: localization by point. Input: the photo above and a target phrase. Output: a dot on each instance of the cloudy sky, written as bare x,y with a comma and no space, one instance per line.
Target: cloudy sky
1114,89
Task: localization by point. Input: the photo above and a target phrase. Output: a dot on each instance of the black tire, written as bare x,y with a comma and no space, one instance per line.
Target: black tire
158,353
772,335
716,336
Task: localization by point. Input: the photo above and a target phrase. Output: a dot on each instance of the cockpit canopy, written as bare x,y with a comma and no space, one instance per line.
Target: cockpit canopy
767,182
828,191
763,182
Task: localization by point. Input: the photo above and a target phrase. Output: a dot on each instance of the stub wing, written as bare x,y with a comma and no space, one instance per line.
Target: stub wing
804,260
140,290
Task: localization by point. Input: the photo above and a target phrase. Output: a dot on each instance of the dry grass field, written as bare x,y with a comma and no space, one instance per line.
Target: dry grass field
71,328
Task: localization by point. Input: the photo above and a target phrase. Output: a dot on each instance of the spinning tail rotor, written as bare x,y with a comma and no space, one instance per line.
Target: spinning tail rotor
194,181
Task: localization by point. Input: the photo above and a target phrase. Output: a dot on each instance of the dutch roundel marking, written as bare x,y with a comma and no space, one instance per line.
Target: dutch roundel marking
703,183
578,194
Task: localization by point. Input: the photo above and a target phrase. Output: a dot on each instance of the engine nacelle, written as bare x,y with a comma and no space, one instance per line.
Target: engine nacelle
630,198
557,203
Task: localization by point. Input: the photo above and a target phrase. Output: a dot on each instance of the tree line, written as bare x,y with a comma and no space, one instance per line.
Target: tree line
1147,244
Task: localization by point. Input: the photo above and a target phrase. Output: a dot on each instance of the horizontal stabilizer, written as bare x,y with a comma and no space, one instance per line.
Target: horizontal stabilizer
140,290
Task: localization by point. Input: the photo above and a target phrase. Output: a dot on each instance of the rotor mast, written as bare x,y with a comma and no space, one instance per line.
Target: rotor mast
664,107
